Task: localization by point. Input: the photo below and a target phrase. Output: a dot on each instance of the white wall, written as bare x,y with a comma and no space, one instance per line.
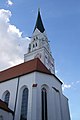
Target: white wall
65,108
25,81
50,80
11,86
6,115
32,55
57,103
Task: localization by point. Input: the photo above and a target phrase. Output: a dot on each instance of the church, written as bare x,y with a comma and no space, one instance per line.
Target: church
31,90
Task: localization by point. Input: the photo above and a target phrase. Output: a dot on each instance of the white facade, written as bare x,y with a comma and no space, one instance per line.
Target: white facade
57,103
4,115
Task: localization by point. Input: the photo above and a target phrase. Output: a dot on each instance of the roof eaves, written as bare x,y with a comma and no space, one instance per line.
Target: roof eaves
4,106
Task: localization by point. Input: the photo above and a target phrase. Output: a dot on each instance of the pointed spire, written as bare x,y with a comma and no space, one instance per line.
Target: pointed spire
39,24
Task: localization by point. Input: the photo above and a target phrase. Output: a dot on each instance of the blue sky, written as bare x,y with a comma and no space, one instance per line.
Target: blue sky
61,20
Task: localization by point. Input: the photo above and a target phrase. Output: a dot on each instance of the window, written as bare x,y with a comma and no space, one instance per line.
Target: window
7,96
24,104
36,37
44,104
36,44
33,46
29,47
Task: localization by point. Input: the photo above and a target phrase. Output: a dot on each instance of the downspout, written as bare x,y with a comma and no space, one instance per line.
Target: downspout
16,98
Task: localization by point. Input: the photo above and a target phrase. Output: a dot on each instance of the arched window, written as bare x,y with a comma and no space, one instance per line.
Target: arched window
44,104
6,97
24,104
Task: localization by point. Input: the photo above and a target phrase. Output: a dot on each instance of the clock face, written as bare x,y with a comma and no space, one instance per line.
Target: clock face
38,55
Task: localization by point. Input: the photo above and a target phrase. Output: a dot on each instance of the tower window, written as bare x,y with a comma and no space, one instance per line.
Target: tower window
36,44
44,104
36,37
33,45
24,104
29,47
7,96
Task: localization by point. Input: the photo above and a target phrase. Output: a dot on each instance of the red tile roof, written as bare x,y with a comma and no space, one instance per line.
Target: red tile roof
24,68
4,106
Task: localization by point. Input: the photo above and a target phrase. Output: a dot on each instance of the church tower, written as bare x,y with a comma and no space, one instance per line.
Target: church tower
39,46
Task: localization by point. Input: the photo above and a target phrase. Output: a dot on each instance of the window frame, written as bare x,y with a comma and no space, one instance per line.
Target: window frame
7,97
24,104
44,103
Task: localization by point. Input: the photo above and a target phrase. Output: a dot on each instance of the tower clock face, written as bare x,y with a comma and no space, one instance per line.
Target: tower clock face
38,55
